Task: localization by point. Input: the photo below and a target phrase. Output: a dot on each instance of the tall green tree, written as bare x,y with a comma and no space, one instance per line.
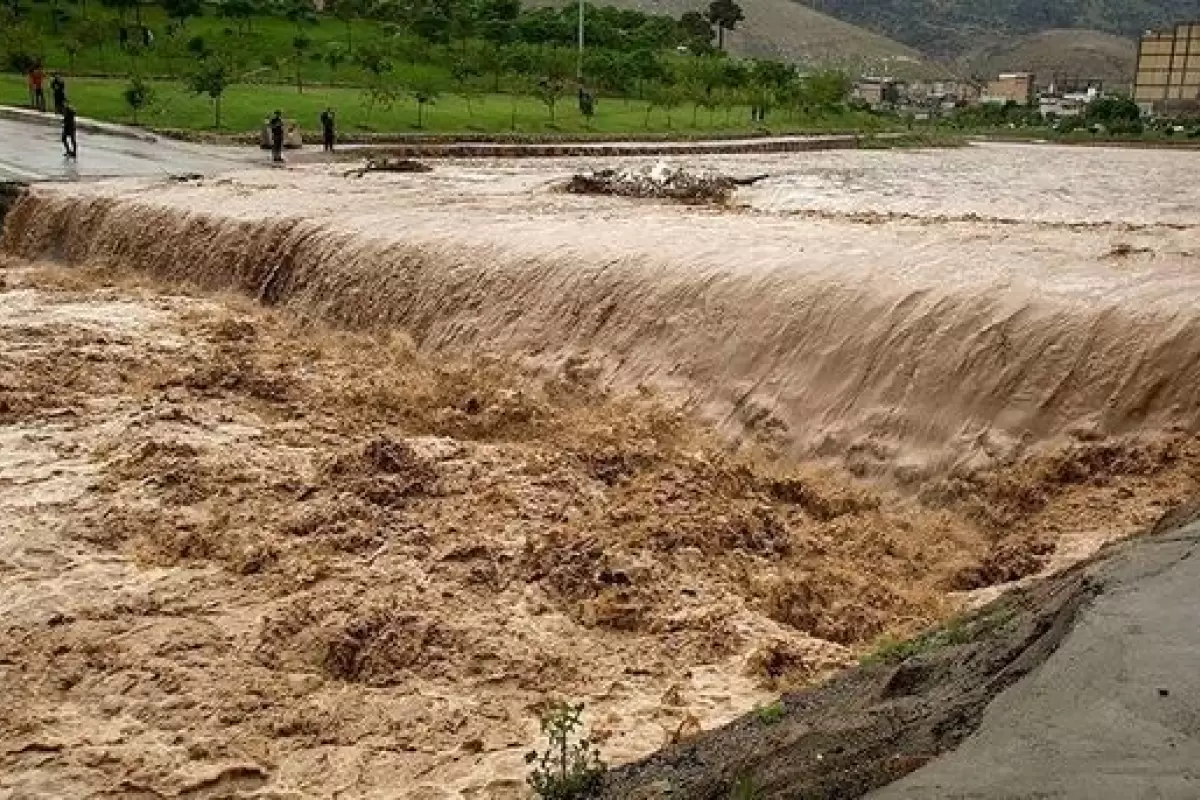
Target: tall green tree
697,32
725,15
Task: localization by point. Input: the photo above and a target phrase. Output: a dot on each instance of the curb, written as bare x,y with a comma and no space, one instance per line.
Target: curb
47,119
598,149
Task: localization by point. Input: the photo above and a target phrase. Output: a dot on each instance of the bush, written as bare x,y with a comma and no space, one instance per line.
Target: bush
567,770
20,61
771,714
138,94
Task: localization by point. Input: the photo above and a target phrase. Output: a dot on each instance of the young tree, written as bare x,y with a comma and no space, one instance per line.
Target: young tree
347,11
464,71
725,15
645,66
94,32
666,96
122,8
335,56
74,46
490,60
496,19
425,92
182,10
212,78
828,89
701,78
300,45
550,89
198,48
379,89
274,63
696,33
555,67
300,13
138,94
240,12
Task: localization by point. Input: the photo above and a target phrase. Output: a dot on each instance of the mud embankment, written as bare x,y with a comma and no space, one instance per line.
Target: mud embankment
910,703
909,369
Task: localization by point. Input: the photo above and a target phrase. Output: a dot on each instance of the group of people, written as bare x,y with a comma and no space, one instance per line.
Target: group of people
278,132
58,92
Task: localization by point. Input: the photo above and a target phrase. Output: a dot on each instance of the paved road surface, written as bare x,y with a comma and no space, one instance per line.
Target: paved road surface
33,152
1114,714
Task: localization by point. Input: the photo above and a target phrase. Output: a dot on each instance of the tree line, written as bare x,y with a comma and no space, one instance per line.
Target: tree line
421,48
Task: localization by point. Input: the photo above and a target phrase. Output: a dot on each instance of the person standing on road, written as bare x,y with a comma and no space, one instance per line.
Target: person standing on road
37,92
327,129
58,90
68,132
276,124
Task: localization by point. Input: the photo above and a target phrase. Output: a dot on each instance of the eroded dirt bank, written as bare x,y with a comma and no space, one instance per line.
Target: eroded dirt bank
1112,633
242,551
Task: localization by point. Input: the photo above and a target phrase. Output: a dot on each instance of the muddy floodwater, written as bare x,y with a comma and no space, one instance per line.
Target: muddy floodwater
317,485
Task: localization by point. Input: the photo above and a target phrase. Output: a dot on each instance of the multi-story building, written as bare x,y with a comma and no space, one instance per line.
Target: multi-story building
1069,99
1011,87
878,93
1168,71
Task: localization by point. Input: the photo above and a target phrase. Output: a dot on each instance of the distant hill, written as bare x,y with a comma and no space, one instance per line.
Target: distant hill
790,31
1059,55
950,28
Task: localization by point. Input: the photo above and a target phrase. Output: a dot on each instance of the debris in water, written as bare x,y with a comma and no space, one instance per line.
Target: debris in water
386,164
660,181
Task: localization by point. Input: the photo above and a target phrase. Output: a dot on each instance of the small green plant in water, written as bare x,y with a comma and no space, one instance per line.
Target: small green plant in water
959,630
771,714
746,788
569,768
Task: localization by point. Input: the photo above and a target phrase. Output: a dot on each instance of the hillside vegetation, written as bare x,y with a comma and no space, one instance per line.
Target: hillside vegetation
947,28
790,31
1062,56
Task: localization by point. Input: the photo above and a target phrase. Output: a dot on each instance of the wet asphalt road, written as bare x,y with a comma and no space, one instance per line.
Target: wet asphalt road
33,152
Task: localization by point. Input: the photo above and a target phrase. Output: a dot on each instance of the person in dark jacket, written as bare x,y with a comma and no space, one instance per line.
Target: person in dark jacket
68,132
327,129
276,124
58,89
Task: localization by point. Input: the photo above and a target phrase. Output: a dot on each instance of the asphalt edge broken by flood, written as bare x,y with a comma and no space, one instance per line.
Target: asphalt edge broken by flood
903,706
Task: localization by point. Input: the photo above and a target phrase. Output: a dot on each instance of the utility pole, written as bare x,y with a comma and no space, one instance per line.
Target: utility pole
579,70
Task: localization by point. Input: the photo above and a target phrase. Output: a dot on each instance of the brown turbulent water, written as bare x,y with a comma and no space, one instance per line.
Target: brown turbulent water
876,316
416,547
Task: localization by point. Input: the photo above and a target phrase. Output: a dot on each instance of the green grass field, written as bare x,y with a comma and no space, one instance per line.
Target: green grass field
245,106
268,39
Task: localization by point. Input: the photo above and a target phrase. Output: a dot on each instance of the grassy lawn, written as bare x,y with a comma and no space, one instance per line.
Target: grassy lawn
244,107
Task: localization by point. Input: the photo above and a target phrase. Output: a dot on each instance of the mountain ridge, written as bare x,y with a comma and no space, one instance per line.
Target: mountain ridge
949,28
